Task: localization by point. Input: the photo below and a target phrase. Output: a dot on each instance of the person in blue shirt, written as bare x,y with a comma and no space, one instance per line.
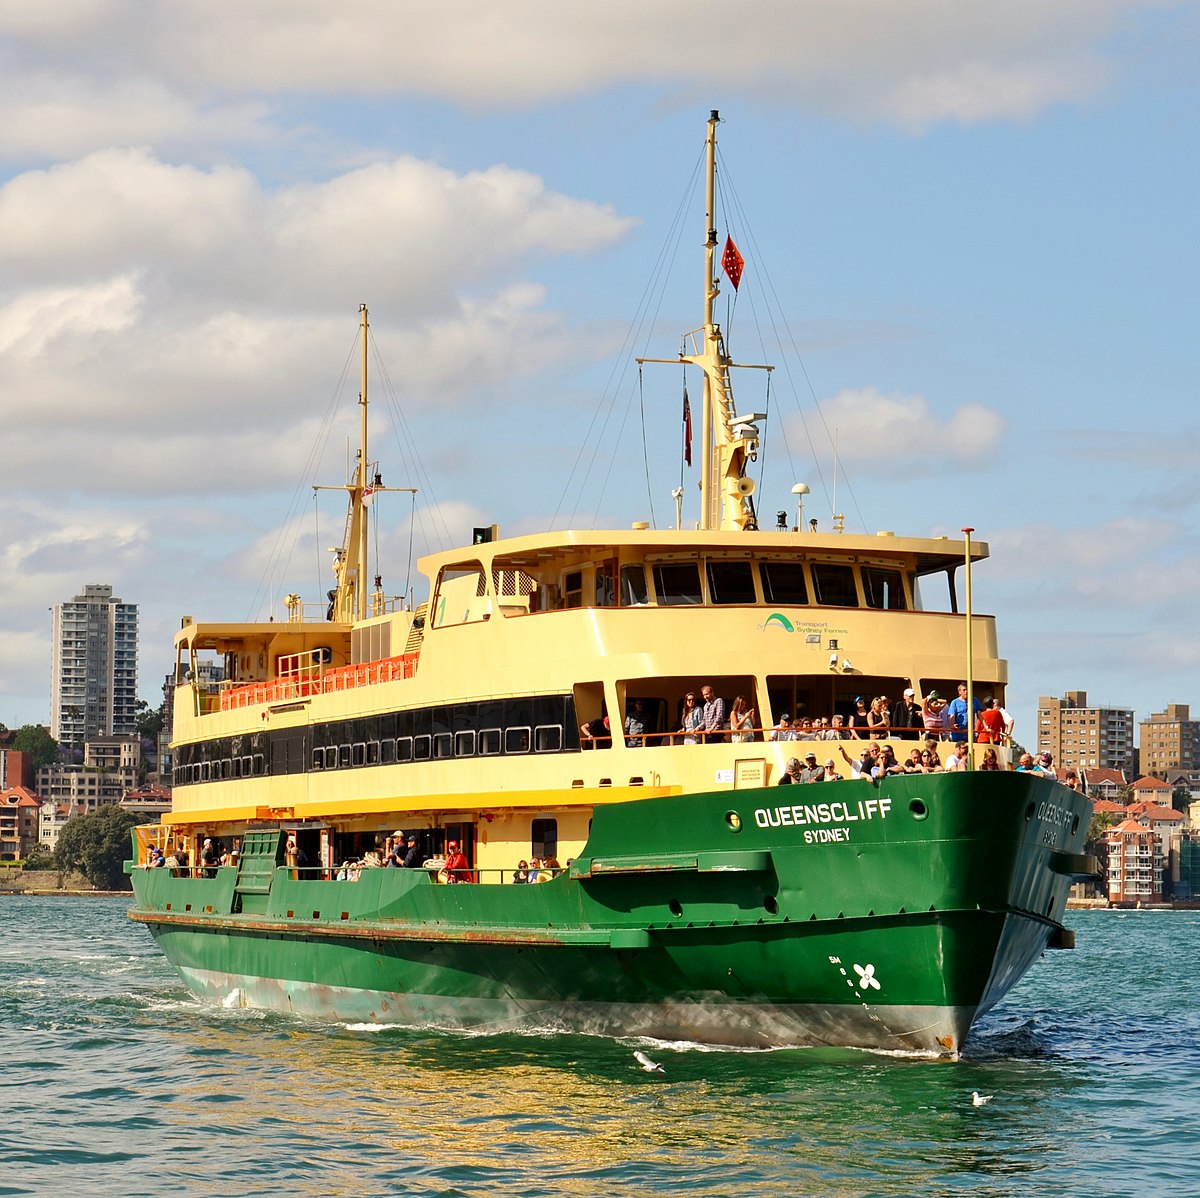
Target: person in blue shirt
956,714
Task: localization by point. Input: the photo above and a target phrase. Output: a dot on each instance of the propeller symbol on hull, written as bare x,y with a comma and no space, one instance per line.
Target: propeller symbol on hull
866,977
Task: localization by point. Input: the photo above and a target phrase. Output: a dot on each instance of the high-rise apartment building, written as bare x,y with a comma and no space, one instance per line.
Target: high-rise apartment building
1083,737
1170,742
93,672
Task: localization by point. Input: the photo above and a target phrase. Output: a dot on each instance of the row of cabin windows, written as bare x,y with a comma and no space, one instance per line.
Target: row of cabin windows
490,728
488,742
678,584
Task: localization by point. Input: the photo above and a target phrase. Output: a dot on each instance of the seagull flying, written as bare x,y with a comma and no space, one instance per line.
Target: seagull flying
978,1099
646,1063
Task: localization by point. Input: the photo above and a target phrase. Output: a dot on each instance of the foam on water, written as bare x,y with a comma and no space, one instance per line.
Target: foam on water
127,1084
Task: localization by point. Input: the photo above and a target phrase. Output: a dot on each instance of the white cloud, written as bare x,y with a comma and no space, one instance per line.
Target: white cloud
897,429
49,115
157,72
31,323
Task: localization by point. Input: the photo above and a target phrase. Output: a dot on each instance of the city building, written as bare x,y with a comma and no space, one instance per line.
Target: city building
18,822
1135,864
1188,884
1082,736
1170,742
1103,783
16,768
1150,790
93,671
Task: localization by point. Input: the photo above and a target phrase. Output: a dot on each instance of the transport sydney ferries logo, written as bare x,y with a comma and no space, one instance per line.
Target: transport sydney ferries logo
812,630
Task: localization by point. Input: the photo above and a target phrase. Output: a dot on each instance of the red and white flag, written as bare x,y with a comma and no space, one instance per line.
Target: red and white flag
732,262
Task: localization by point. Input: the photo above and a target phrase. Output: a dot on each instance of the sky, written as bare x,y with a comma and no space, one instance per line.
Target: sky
971,250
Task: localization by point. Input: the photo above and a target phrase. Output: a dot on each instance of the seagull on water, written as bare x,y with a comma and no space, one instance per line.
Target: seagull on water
978,1099
646,1063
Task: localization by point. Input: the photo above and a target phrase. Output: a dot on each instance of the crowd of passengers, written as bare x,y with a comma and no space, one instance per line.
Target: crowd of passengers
877,761
175,858
710,719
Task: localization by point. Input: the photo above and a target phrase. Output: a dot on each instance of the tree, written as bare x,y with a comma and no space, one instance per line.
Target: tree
39,858
149,719
1181,798
38,743
98,844
1100,822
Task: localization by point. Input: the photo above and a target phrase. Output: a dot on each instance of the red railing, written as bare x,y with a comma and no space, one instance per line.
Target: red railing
303,685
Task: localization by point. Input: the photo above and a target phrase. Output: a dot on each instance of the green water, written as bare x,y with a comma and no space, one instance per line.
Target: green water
115,1081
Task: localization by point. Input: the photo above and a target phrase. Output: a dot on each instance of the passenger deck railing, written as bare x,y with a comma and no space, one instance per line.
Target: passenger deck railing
353,871
303,684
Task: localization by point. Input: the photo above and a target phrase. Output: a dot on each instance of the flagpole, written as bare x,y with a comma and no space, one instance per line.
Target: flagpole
710,333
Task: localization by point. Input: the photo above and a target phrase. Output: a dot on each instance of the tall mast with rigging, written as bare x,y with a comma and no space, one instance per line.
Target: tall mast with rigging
728,442
348,599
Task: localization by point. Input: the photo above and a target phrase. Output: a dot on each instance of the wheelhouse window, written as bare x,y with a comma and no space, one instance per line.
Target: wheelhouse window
833,585
783,582
730,582
883,588
461,596
677,584
633,586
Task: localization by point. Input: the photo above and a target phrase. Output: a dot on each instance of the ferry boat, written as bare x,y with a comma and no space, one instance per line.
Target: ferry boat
533,710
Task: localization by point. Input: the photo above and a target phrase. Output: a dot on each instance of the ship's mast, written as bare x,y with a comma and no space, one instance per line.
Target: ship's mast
361,477
348,599
728,443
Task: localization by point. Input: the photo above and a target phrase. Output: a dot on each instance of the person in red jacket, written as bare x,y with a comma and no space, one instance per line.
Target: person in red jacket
456,867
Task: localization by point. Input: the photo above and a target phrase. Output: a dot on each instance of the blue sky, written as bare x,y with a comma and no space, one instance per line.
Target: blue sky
976,224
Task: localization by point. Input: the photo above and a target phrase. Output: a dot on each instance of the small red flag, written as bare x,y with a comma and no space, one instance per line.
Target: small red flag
687,428
732,262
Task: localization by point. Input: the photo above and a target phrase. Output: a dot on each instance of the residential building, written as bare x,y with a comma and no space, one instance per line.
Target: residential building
113,753
84,787
1082,736
1170,742
1151,790
150,801
18,822
1101,783
93,672
1135,864
51,818
16,768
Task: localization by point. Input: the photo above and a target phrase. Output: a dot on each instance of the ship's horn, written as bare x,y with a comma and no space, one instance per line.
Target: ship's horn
745,486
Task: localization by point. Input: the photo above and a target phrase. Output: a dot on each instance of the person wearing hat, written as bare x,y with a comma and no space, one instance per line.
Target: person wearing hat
413,857
1045,766
906,716
933,715
783,730
831,774
811,771
456,867
791,772
395,857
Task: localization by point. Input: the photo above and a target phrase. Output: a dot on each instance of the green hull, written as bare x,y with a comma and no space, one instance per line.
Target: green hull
885,916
